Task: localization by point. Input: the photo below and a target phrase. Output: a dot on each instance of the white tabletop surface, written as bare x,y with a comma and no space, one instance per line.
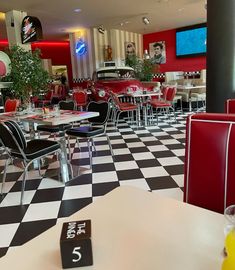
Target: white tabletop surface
63,118
190,87
133,229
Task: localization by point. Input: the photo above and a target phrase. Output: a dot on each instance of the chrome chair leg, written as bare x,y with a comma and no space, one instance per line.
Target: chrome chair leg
4,174
110,146
23,183
93,144
90,152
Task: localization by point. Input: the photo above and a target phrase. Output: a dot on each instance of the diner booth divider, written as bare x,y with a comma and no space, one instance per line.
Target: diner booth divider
209,179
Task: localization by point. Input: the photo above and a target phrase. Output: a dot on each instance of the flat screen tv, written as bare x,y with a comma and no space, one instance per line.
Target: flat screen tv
191,40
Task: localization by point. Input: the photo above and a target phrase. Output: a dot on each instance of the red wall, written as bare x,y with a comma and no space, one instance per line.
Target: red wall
57,51
173,63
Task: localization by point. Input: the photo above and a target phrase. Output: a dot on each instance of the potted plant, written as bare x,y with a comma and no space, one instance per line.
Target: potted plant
27,74
143,68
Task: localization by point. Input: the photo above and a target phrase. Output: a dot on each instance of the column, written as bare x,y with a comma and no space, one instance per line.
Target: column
14,20
220,54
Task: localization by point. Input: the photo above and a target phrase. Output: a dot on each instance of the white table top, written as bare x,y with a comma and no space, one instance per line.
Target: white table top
190,87
133,229
146,94
63,118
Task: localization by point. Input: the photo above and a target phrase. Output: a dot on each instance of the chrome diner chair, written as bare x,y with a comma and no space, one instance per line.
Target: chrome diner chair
13,140
96,128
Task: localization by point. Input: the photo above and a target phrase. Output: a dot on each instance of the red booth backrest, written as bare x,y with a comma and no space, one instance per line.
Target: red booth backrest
209,179
230,106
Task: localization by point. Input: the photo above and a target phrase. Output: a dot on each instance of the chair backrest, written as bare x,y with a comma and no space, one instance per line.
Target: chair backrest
164,90
171,91
12,136
209,161
11,105
103,108
80,98
67,105
48,95
115,99
230,106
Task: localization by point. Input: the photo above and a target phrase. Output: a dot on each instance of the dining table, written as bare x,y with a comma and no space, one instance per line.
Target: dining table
141,98
52,118
189,89
133,229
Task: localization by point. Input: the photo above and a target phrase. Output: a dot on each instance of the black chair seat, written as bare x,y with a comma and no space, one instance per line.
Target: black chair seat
54,129
85,132
37,148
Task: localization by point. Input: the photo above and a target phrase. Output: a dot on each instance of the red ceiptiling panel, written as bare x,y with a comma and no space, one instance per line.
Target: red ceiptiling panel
57,51
173,63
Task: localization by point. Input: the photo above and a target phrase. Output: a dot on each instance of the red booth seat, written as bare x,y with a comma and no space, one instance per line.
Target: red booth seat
209,179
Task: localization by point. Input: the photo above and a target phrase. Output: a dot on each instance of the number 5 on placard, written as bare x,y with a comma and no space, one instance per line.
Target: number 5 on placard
77,254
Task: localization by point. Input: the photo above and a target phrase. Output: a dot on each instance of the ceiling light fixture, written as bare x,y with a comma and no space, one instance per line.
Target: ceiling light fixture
101,29
77,10
145,20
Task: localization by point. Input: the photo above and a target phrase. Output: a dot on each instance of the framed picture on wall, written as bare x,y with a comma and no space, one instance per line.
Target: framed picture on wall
157,51
130,48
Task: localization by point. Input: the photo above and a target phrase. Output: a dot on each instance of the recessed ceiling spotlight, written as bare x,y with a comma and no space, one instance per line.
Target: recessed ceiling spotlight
180,9
77,10
145,20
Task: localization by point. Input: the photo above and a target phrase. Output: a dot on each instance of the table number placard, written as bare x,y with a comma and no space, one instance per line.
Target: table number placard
75,244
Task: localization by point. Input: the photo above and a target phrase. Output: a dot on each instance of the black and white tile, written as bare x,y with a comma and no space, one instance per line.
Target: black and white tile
150,158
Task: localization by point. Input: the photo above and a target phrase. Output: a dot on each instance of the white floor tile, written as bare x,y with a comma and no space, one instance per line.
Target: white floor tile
135,144
179,179
13,198
130,136
148,139
104,177
7,232
121,151
40,211
7,186
143,156
77,192
119,141
156,148
167,142
102,160
179,152
125,165
170,161
47,183
139,183
178,136
154,172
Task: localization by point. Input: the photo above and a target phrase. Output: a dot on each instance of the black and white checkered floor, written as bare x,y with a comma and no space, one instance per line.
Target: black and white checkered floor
151,158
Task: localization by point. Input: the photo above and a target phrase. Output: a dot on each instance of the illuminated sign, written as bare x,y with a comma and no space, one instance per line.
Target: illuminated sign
81,47
31,29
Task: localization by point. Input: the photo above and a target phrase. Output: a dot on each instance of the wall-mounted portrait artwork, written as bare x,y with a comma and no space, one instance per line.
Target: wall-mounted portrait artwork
130,48
157,52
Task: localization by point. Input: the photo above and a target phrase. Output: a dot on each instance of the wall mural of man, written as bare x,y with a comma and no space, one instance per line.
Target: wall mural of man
157,52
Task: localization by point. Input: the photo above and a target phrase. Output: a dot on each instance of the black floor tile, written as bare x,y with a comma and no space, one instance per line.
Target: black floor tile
80,180
175,169
28,230
175,146
161,182
163,154
119,146
3,251
69,207
107,167
138,149
130,140
103,188
12,214
151,143
29,185
126,157
129,174
148,163
47,195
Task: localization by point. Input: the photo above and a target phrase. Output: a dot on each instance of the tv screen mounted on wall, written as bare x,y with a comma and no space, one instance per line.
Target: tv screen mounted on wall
191,40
